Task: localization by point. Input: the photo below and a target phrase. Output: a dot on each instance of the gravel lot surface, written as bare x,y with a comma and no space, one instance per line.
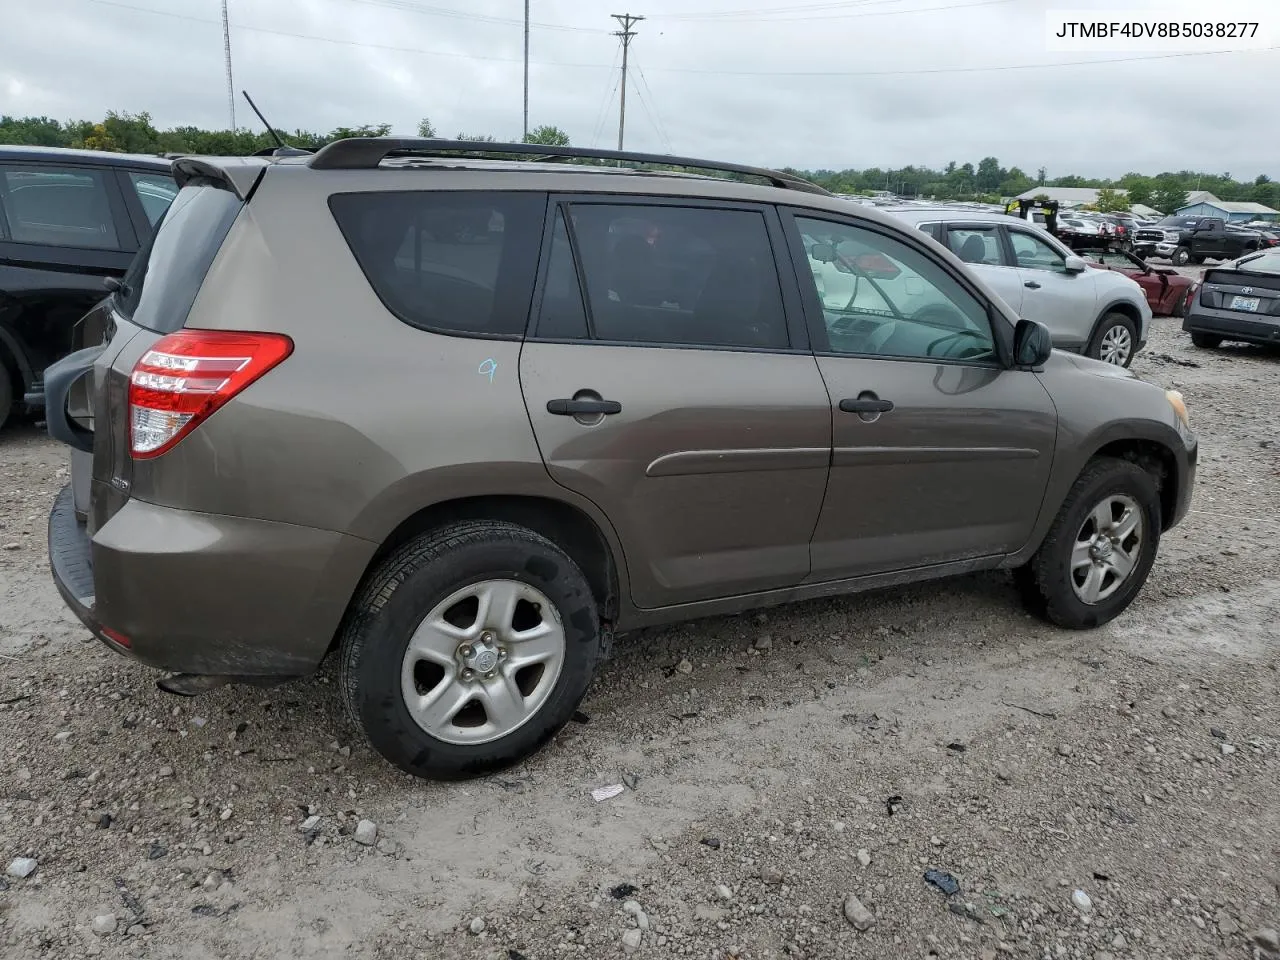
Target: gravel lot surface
1113,794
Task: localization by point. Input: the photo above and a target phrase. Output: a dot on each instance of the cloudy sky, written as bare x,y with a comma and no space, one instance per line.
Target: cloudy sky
810,84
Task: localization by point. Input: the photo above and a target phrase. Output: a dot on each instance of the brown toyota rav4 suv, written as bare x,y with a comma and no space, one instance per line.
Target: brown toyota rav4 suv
461,418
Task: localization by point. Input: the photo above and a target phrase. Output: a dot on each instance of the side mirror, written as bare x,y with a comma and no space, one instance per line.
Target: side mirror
823,252
1032,343
1073,265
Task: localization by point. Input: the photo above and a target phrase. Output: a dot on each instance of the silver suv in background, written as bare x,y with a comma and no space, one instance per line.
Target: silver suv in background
1099,313
459,421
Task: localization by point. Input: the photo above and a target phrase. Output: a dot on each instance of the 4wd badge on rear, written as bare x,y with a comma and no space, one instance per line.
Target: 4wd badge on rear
120,483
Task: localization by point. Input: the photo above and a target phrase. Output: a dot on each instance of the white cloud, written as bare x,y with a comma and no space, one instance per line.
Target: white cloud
889,82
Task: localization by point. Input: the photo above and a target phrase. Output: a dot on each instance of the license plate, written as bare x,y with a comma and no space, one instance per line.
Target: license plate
1245,303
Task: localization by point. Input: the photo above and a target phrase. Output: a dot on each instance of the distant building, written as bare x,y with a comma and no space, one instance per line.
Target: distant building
1204,204
1071,197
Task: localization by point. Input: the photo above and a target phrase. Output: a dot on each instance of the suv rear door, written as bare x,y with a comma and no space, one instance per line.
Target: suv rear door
668,378
940,453
981,246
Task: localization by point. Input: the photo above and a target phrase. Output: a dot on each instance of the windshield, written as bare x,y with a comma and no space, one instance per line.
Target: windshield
1179,222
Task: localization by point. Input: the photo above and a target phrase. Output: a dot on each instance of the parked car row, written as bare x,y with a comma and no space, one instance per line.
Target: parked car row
461,427
1183,240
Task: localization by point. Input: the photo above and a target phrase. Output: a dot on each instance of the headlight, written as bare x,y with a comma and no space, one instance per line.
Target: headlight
1179,406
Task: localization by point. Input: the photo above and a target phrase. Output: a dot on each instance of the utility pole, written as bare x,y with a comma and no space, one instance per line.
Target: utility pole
526,69
626,34
226,52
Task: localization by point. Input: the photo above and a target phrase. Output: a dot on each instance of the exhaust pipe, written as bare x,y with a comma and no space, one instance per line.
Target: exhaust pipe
193,684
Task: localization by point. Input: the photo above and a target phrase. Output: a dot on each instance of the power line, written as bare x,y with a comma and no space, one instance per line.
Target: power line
446,12
626,34
649,102
597,128
784,15
693,70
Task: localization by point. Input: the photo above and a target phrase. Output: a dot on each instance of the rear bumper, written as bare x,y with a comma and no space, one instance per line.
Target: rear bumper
205,594
1233,325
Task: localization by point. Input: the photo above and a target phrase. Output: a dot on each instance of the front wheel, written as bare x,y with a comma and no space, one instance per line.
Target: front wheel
1100,548
1180,257
1206,341
1114,340
468,649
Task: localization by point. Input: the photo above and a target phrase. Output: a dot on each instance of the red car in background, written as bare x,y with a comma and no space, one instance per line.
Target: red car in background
1166,289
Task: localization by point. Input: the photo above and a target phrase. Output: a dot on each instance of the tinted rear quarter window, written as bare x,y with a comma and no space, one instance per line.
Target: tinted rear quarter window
58,206
166,275
456,262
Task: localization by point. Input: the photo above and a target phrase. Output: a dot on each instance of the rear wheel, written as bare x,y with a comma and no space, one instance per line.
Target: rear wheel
6,393
1197,258
1180,257
1206,341
1100,548
468,649
1114,340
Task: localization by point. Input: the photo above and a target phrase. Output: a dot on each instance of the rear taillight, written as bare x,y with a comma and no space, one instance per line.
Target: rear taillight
186,376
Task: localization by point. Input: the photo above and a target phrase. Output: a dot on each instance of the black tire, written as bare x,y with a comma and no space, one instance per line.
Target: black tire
1206,341
1109,322
1197,259
6,393
406,587
1046,580
1180,257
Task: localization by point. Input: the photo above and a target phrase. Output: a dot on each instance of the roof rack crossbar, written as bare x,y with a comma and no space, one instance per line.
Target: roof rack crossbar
365,153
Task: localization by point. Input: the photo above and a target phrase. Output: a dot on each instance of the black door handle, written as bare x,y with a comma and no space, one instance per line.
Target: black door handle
1031,285
583,408
868,405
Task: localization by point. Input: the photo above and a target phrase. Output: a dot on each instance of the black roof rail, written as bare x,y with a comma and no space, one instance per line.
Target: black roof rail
365,153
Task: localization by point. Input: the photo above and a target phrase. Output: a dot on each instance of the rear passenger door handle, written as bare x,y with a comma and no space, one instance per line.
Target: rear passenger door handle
866,405
583,408
1031,285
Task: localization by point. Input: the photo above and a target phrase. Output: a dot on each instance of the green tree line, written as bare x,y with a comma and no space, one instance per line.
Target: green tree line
988,180
135,133
991,182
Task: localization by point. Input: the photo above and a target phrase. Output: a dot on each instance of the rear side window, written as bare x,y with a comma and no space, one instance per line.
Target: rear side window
155,192
58,206
679,276
167,272
456,262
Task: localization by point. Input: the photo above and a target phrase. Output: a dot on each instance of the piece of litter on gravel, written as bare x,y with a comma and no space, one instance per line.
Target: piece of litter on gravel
1082,901
22,867
310,824
957,747
945,882
1217,734
894,804
712,842
630,779
601,794
623,890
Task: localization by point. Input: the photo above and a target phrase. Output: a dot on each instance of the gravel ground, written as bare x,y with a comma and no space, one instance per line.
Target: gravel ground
775,764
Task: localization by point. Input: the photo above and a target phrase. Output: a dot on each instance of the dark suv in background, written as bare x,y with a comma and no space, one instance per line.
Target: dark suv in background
69,219
462,419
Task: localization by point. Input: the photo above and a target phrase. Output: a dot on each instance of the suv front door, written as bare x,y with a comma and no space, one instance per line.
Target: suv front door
668,378
981,246
940,453
1063,301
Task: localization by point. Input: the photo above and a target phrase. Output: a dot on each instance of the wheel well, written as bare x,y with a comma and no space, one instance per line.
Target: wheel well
567,527
1157,460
